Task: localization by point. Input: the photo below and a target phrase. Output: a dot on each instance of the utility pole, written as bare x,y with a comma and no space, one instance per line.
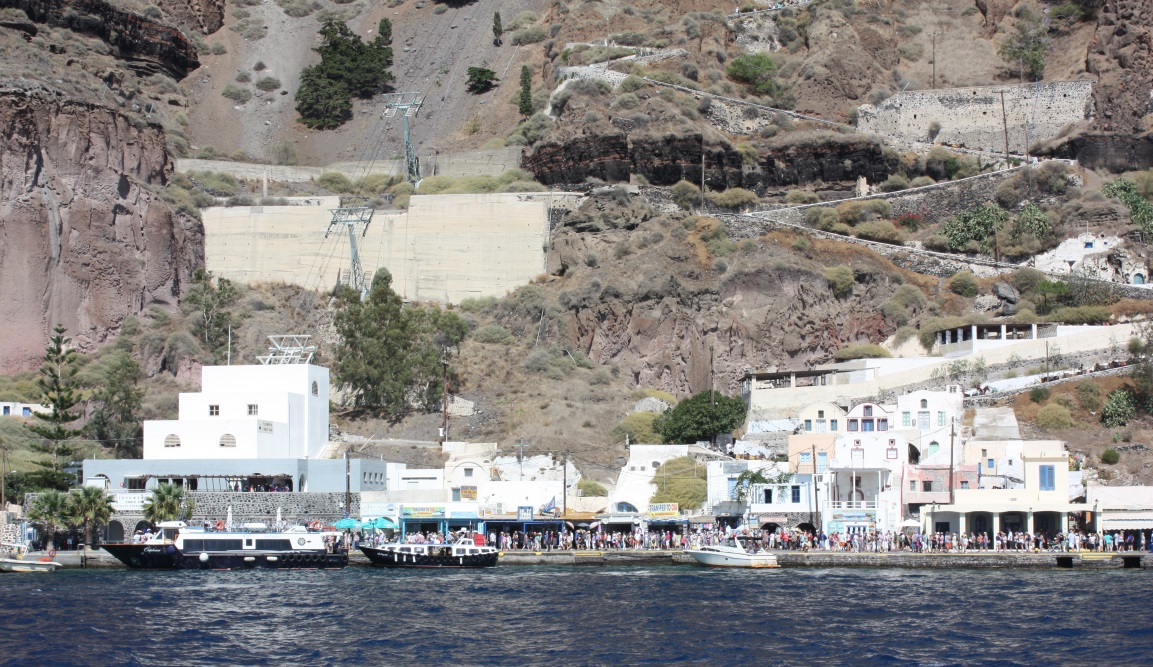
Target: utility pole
3,475
934,60
814,478
1005,125
520,459
564,490
952,445
444,383
712,379
347,485
702,175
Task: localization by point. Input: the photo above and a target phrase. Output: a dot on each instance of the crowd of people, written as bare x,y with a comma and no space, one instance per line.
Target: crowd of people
798,540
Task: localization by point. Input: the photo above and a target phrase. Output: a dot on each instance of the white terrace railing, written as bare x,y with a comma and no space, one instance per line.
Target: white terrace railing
851,504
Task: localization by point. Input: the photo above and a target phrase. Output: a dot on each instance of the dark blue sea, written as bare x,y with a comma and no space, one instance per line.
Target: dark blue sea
578,616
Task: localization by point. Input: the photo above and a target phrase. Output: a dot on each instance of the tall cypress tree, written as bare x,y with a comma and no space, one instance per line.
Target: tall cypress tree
525,91
59,390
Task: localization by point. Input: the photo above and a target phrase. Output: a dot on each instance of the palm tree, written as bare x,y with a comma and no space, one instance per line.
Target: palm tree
50,509
168,503
90,507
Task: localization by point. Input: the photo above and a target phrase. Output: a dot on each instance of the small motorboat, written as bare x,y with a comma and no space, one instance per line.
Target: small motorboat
19,564
732,553
465,552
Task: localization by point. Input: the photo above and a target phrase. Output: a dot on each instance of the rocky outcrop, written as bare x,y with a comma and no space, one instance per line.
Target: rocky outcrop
1116,152
827,157
206,16
142,43
83,241
1121,54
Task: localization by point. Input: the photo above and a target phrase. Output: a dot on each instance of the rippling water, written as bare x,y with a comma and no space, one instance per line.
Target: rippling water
577,616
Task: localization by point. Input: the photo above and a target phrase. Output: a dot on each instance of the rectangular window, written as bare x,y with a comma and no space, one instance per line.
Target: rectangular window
822,461
214,411
768,496
927,486
891,453
940,418
964,484
820,414
867,425
253,410
468,472
984,453
806,457
882,424
832,424
992,464
912,485
1047,478
906,420
796,494
808,424
732,488
852,424
868,411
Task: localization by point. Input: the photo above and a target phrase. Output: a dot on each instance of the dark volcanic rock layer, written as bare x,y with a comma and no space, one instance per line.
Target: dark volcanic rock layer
668,159
144,44
83,241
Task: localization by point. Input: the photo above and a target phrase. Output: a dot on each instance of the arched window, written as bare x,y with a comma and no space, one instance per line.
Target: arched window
315,388
626,507
228,440
924,403
656,464
934,447
171,440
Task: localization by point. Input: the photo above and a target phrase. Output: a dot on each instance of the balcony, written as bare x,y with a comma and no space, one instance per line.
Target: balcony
851,504
927,497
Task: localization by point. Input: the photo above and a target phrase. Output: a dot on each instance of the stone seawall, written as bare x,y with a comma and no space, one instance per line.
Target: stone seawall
973,117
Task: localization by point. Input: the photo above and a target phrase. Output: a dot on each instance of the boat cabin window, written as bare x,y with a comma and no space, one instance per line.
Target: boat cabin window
274,545
171,533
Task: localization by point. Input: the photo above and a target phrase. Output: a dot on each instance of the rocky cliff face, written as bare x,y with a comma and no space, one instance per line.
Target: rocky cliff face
83,242
1121,54
660,302
144,44
665,160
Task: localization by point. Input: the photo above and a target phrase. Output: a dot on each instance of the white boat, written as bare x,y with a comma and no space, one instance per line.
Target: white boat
178,546
18,564
731,553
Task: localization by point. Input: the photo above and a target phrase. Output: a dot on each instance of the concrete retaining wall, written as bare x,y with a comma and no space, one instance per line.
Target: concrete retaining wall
972,117
483,162
444,248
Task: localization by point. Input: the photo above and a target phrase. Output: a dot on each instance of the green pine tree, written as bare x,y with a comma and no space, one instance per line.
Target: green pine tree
59,390
116,419
525,101
497,28
348,68
390,356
